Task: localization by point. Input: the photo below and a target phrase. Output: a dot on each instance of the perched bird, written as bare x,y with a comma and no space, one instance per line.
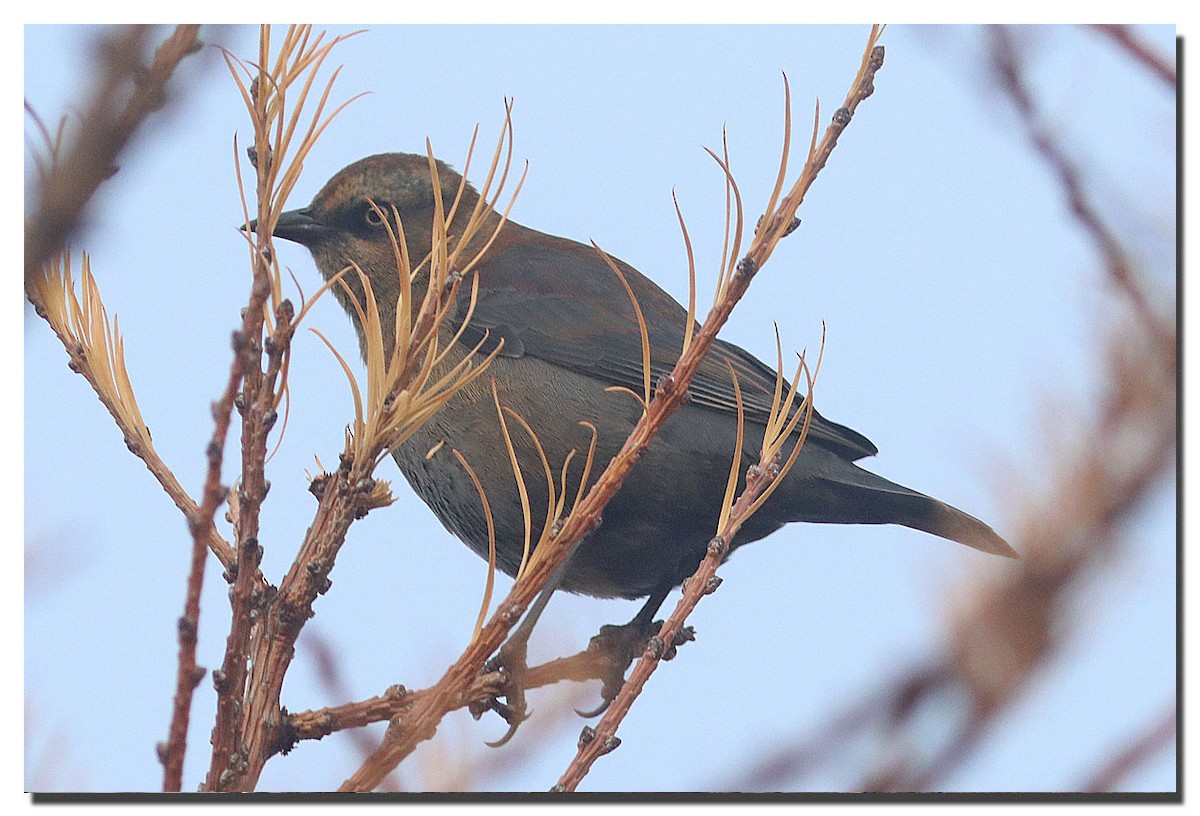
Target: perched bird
570,331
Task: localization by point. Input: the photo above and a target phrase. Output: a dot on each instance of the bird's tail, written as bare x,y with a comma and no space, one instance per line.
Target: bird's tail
851,495
949,522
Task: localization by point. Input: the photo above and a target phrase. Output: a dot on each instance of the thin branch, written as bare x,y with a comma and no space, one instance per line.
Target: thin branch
1008,624
1120,268
241,733
80,323
885,710
111,119
398,701
188,675
405,385
1133,45
1153,739
331,674
760,479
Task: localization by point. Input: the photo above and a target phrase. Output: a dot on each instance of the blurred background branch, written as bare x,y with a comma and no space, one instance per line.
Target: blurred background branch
126,92
1003,628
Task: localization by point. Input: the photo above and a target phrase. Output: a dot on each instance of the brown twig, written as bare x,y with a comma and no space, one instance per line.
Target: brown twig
760,479
1012,623
589,664
61,310
189,674
402,391
113,116
1154,738
66,182
242,733
330,673
886,710
1120,268
421,723
257,410
1123,36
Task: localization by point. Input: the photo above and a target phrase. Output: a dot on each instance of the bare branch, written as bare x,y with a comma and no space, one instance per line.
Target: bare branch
1121,270
111,119
1124,37
1159,734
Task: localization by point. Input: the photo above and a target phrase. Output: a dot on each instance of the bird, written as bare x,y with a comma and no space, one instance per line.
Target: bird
565,333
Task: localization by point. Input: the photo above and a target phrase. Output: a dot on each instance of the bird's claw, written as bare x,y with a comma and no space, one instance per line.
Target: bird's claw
511,662
605,702
513,719
618,645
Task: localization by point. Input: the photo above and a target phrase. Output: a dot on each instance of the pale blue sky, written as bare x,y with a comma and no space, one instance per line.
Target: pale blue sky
962,308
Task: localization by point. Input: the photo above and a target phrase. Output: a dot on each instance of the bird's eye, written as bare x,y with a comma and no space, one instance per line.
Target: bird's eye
373,216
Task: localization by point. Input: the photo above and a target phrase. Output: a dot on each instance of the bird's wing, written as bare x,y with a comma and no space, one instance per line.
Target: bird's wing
559,301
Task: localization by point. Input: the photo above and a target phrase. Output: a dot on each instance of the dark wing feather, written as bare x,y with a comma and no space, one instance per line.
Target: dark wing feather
558,301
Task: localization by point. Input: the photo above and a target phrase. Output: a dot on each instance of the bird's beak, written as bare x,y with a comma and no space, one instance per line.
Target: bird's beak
299,226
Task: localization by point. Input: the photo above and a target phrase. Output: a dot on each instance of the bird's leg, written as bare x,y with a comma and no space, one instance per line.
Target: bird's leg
512,660
617,645
621,644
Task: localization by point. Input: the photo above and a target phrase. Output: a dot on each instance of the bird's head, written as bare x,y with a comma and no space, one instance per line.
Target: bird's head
352,221
346,220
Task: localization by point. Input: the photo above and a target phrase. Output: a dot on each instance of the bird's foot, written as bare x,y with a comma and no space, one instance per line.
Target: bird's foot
618,646
512,663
